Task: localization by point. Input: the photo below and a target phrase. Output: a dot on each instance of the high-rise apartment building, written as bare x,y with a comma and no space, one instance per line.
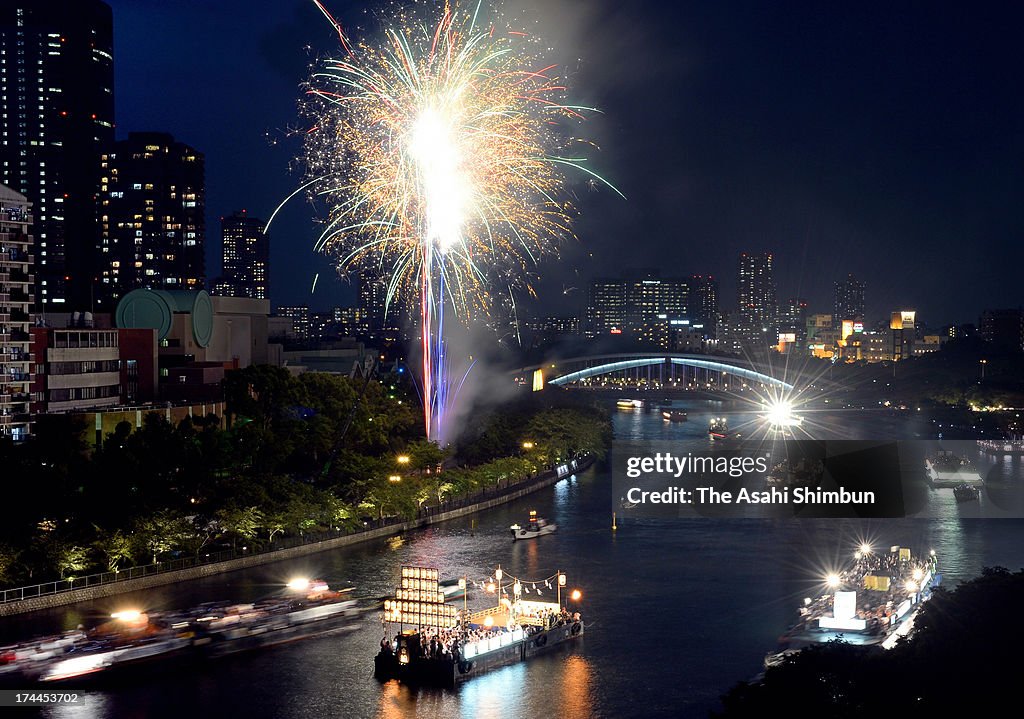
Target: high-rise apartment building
57,85
849,300
152,216
606,307
703,303
759,305
246,257
642,306
16,297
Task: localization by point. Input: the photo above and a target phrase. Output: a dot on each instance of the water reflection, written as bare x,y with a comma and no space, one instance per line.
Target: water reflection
733,585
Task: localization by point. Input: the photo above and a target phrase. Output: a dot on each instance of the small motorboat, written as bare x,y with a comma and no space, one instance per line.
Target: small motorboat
676,415
536,527
630,403
452,588
966,493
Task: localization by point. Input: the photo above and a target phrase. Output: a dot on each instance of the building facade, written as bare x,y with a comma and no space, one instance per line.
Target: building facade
703,303
152,217
606,307
57,84
16,299
1003,328
77,368
644,307
245,257
759,305
299,316
849,300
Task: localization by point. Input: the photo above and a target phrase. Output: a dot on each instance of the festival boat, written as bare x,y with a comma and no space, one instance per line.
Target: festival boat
428,642
872,602
535,527
132,641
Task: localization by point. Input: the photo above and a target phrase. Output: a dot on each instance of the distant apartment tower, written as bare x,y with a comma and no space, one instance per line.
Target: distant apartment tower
849,300
1003,328
16,286
759,306
57,85
375,311
246,257
606,307
152,217
651,304
546,329
299,315
643,306
703,303
795,311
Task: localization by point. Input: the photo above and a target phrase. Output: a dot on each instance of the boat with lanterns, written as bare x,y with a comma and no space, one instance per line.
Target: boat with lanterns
132,641
431,642
535,527
871,602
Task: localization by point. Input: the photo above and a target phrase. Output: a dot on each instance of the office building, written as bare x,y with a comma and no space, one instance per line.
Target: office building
57,84
902,334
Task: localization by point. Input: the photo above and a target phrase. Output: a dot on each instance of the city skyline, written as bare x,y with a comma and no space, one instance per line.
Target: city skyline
743,175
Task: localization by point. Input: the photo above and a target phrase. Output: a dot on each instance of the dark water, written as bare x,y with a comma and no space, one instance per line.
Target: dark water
678,611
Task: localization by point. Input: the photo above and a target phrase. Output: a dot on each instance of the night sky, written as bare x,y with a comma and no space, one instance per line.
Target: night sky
845,137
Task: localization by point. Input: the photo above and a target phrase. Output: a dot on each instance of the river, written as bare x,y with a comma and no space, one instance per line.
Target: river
677,611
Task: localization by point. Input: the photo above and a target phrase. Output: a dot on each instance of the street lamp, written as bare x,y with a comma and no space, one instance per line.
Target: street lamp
983,362
403,459
395,478
527,445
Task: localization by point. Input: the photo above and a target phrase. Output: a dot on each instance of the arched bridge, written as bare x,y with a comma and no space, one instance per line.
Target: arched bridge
665,367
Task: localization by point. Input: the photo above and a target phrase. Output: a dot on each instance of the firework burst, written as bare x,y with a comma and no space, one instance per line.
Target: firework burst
441,153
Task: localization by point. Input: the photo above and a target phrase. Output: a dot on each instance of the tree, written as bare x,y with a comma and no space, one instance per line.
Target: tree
158,533
240,522
115,547
8,558
67,557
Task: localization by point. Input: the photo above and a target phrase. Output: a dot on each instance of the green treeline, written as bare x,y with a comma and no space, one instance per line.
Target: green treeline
301,455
